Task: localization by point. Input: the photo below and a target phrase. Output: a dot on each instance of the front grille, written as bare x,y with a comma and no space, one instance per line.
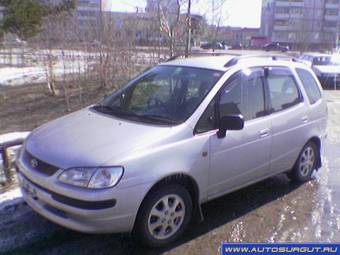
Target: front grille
39,165
55,211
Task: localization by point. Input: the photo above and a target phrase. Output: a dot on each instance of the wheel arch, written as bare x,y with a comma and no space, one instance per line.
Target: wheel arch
187,182
317,141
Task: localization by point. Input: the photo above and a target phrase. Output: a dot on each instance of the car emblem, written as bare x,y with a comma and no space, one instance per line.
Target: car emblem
34,162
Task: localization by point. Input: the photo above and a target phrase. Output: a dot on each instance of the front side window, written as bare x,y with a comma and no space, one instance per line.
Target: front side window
207,121
168,94
283,90
310,85
243,94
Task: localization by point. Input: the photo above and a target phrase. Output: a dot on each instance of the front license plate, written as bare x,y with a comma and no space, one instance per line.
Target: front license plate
29,189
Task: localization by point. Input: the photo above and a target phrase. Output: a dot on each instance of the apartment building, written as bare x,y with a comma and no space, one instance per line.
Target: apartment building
170,6
312,24
267,18
88,13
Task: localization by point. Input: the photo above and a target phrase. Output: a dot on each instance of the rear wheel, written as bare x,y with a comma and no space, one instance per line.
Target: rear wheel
163,217
305,164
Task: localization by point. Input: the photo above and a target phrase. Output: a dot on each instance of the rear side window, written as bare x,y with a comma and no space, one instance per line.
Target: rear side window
283,90
310,85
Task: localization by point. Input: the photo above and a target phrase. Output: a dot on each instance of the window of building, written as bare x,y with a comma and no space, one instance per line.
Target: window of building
331,12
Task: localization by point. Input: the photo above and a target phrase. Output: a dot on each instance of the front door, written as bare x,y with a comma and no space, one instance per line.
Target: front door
242,156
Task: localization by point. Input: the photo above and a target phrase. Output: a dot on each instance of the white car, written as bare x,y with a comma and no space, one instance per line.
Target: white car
325,66
187,131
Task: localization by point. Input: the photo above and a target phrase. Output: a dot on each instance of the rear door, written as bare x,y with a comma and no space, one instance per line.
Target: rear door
317,106
289,117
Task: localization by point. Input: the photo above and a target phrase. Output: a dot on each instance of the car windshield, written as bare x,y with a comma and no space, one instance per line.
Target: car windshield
326,61
335,60
165,94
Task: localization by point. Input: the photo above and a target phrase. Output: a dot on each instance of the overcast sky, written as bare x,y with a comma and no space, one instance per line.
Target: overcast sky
239,13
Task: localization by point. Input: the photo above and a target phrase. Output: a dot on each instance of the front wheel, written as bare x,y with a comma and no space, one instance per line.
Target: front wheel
305,164
163,217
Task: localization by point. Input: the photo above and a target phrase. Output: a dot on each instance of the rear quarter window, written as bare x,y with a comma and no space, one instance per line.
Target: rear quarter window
310,85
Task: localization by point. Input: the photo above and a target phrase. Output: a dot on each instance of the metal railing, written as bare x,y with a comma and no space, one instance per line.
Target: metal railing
5,145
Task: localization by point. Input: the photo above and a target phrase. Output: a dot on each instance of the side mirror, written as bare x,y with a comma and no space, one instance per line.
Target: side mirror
230,122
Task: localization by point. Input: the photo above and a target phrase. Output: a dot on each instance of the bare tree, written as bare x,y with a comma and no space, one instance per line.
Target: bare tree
169,18
188,30
217,14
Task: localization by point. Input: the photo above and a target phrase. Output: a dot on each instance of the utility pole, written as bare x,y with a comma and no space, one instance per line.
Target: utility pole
101,20
336,47
213,23
337,35
188,43
101,69
213,12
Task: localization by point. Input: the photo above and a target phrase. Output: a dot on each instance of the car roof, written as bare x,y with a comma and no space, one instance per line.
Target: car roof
211,62
223,63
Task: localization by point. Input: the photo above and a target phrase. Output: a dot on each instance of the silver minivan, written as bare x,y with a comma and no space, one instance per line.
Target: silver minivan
144,159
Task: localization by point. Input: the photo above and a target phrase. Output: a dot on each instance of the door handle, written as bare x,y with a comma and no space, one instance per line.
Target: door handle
304,119
264,133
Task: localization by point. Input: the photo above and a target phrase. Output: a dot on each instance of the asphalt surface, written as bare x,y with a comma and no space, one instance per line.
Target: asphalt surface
271,211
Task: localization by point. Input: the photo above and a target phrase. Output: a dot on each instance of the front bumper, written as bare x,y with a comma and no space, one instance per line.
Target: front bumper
109,213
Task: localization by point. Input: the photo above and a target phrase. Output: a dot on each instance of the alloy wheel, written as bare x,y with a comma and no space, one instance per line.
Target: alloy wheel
166,216
307,161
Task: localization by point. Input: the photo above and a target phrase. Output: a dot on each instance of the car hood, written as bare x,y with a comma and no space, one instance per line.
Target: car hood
330,69
87,138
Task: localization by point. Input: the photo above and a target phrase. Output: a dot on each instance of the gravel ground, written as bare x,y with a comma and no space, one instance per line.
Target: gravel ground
272,210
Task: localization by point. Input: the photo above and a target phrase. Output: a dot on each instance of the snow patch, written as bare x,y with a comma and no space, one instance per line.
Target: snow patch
10,198
37,65
12,136
16,76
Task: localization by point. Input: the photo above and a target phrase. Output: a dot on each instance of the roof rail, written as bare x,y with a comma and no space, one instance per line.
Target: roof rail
235,60
203,54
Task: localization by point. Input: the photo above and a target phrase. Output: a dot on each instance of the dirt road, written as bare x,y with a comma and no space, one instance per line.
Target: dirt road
273,210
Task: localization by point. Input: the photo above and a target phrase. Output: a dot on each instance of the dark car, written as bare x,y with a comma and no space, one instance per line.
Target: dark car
275,47
216,46
237,46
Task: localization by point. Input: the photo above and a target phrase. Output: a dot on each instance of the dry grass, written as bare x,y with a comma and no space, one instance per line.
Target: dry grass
26,107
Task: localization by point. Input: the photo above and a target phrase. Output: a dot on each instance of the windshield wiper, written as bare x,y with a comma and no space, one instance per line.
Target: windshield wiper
103,108
113,110
119,111
159,118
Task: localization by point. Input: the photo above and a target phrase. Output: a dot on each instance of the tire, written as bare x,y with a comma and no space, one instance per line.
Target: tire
305,164
157,225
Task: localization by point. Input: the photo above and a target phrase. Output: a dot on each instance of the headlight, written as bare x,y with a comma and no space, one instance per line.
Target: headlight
93,178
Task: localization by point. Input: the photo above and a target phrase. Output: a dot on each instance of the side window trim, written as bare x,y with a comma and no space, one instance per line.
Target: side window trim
214,118
268,103
219,95
268,98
